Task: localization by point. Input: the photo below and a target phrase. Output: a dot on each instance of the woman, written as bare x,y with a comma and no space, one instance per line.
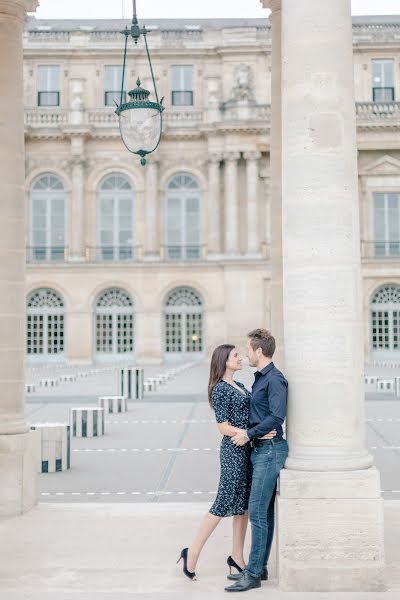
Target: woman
230,400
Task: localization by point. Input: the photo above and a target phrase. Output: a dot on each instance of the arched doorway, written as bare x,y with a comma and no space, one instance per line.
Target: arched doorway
45,325
114,325
385,322
183,324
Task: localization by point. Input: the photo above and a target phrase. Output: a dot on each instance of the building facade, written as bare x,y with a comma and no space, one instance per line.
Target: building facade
166,261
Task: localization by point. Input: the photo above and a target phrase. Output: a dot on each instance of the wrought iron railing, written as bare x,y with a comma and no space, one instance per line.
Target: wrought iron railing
178,252
43,254
111,253
378,249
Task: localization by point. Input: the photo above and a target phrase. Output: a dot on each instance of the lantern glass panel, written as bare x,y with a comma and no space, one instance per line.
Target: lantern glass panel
140,128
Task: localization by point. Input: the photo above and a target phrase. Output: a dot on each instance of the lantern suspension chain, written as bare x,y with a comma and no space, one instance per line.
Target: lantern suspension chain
151,66
123,68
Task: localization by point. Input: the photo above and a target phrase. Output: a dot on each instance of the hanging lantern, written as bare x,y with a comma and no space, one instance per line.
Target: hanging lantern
140,119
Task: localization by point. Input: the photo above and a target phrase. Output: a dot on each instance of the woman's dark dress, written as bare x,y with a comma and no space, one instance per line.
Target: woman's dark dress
235,478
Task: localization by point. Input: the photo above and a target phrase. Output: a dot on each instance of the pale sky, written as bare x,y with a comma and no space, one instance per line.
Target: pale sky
153,9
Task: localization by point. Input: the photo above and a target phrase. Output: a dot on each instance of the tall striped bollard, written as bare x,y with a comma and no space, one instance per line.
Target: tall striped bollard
131,383
87,421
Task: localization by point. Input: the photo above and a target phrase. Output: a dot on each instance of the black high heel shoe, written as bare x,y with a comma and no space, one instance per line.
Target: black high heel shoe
232,563
183,555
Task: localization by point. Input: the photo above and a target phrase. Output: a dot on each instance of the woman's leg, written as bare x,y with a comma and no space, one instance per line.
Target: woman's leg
206,528
238,537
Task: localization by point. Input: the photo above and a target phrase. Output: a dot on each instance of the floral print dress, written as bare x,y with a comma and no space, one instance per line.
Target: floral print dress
235,477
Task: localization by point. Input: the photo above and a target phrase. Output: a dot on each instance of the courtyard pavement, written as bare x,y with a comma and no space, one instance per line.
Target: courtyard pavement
112,527
166,448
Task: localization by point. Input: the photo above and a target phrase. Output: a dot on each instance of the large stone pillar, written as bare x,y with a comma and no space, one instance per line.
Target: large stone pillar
330,514
231,203
213,217
152,243
276,300
252,162
17,469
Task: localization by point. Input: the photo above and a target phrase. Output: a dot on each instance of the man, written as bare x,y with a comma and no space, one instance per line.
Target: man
267,413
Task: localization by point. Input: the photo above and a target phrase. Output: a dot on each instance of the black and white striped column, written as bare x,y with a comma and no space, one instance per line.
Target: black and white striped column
131,383
113,404
87,421
52,442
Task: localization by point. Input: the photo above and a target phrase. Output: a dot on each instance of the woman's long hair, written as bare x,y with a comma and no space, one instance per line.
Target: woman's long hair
218,366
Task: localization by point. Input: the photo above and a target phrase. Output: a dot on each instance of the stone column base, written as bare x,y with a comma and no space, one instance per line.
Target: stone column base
330,531
18,477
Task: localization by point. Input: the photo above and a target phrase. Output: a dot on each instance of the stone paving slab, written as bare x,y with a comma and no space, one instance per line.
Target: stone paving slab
121,551
190,595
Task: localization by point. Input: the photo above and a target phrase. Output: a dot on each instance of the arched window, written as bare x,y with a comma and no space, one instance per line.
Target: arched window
45,324
47,223
114,318
385,319
115,209
183,322
183,231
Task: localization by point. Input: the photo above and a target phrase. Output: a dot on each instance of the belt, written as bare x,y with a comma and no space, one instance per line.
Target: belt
257,442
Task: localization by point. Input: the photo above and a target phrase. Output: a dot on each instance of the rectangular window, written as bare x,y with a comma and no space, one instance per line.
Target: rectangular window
112,85
383,80
387,224
48,85
182,85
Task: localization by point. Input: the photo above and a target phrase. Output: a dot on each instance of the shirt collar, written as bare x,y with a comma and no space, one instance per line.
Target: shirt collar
266,369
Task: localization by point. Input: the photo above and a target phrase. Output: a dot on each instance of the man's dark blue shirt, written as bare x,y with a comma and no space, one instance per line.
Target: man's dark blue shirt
269,401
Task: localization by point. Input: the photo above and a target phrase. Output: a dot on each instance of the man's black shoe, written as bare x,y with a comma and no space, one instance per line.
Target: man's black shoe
264,575
244,583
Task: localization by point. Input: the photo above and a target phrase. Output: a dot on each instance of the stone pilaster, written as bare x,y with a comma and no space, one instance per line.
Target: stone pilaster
77,212
17,469
231,203
151,250
252,176
330,519
213,217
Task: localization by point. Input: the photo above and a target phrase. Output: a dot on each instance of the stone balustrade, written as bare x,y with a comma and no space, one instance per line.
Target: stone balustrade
378,111
374,113
45,117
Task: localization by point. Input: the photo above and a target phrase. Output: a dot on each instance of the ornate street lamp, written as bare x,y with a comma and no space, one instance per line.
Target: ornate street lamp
140,120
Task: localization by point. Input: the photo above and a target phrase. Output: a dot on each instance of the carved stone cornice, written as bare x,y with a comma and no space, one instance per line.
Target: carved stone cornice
253,155
18,8
215,157
231,156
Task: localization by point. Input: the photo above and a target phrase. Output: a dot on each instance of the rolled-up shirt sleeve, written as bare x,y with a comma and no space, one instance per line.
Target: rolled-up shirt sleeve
277,399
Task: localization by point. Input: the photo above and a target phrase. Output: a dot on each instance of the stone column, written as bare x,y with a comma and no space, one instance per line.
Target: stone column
231,203
17,469
330,519
252,161
213,217
276,184
152,243
77,212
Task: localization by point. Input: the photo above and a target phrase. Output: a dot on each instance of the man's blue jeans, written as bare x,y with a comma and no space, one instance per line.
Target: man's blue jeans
267,461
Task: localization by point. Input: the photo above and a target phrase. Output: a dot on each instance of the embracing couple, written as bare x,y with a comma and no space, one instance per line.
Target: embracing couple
253,451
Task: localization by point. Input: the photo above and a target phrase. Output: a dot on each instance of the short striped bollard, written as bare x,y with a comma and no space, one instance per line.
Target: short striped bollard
52,446
87,421
113,404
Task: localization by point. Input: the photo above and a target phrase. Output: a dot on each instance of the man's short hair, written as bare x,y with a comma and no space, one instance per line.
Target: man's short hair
261,338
